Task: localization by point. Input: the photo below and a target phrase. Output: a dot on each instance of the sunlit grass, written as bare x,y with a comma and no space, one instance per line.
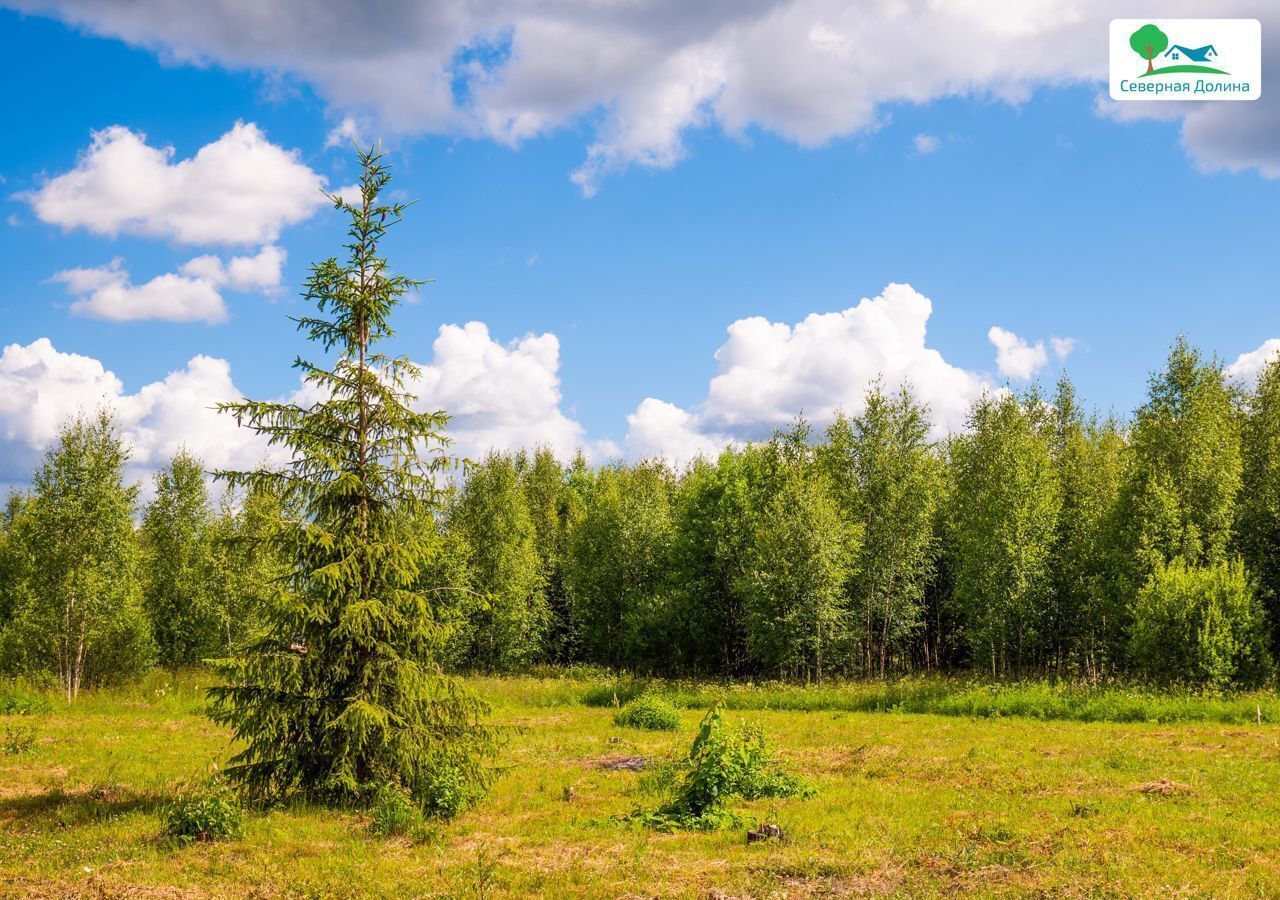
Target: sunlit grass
925,804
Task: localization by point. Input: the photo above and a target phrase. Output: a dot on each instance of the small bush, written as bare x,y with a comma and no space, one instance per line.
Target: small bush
1200,626
723,763
394,812
208,812
17,739
16,702
447,792
650,713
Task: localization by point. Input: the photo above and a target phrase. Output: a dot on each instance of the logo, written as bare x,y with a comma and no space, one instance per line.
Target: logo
1186,59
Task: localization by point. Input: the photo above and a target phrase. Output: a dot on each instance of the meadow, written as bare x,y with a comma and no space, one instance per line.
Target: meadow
923,788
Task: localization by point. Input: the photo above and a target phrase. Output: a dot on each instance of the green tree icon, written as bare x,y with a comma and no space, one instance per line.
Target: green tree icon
1149,42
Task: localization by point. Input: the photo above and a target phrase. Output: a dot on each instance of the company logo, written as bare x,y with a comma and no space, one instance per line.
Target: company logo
1186,59
1151,43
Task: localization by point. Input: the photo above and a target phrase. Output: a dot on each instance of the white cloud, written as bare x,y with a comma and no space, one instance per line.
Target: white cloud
645,73
262,272
1062,347
13,220
344,134
1015,358
240,189
500,396
926,143
106,293
41,387
1248,366
770,372
661,429
190,295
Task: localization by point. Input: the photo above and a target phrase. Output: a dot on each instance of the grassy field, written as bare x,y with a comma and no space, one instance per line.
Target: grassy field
980,802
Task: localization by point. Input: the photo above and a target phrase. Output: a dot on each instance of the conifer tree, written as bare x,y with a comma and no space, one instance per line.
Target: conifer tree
344,696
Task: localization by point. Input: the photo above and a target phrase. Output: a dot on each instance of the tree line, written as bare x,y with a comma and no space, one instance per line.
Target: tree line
1039,539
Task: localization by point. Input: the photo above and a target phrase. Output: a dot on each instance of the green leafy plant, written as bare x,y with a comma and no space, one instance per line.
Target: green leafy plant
204,812
724,762
649,713
17,739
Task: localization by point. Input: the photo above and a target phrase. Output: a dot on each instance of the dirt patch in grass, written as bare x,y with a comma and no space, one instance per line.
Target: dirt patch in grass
617,762
1163,787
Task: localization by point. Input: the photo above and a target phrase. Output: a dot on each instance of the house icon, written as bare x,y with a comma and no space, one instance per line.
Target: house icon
1197,54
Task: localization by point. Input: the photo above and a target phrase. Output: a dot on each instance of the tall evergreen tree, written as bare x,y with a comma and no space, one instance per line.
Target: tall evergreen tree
344,694
177,587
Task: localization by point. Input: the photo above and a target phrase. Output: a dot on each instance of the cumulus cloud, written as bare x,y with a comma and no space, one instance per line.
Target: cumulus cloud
770,372
645,73
41,387
501,396
661,429
239,189
1015,358
190,295
1062,347
106,292
1248,366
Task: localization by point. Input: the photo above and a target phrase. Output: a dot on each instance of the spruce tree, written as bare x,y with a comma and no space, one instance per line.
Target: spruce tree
344,695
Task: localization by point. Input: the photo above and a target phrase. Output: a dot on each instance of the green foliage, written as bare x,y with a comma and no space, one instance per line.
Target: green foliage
1184,473
75,604
649,713
343,695
1201,626
449,790
176,561
394,812
1258,511
203,812
888,482
724,763
618,564
1081,627
797,565
17,739
507,616
247,568
1003,522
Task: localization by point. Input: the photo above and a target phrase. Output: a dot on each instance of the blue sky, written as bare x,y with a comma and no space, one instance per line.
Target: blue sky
1050,216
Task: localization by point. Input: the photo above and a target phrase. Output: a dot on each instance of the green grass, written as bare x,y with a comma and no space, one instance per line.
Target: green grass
999,803
1061,701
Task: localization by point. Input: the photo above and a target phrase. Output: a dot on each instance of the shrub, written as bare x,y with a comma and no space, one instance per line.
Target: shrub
16,702
447,792
1200,626
17,739
650,713
208,812
723,763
